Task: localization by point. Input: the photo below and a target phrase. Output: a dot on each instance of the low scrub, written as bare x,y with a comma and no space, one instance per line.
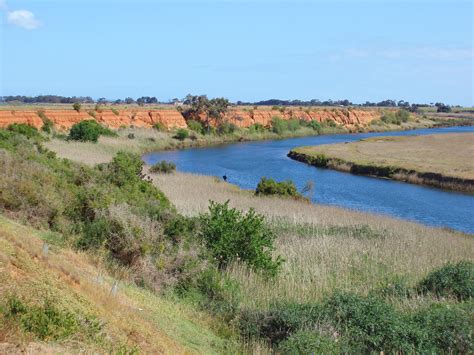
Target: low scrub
196,126
397,117
451,280
279,125
25,130
270,187
163,167
181,134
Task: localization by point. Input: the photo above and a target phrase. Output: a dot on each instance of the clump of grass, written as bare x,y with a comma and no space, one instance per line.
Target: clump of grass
163,167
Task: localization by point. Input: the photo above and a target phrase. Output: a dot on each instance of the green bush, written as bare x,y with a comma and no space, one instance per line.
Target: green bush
256,128
315,125
370,324
159,127
279,125
163,167
451,280
195,126
24,129
47,123
226,128
306,342
269,187
293,124
115,111
77,106
88,130
447,328
230,235
181,134
396,117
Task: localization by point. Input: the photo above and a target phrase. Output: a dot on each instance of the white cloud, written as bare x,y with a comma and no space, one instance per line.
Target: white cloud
23,18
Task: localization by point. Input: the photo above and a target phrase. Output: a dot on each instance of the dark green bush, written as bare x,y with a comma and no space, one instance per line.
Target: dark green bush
163,167
447,328
315,125
451,280
88,130
395,117
268,187
231,235
370,324
279,125
226,128
181,134
195,126
77,106
24,129
306,342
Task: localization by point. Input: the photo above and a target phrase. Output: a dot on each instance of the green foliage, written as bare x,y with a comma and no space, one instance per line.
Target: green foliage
396,117
293,124
24,129
159,127
231,235
315,125
226,128
306,342
279,125
447,328
125,168
77,106
256,128
195,126
329,123
47,322
88,130
115,111
47,123
456,280
163,167
269,187
181,134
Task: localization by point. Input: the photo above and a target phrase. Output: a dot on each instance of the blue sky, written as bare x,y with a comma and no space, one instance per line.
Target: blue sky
418,50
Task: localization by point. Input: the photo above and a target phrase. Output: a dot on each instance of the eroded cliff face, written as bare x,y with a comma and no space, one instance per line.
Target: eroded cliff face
65,119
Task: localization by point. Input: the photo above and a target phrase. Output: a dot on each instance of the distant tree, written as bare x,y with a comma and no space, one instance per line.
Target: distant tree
102,101
442,107
76,106
129,101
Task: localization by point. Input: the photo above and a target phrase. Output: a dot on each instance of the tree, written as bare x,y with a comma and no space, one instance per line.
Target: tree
76,106
129,101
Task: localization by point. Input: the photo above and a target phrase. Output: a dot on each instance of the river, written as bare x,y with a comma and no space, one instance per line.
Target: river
245,163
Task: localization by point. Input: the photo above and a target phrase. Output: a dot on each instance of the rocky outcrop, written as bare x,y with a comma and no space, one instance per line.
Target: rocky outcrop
65,119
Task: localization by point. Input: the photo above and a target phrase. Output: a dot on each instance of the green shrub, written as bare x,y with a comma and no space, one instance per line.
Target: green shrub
256,128
181,134
447,328
231,235
115,111
25,130
315,125
279,322
370,324
159,127
329,123
451,280
47,123
88,130
163,167
195,126
226,128
395,117
279,125
293,124
306,342
269,187
77,106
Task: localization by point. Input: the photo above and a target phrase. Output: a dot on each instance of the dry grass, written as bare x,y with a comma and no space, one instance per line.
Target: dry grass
133,318
325,248
446,154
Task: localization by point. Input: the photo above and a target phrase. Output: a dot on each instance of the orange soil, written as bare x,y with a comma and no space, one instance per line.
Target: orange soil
64,119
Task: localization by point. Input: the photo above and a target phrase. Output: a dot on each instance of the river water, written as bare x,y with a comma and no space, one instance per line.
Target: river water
245,163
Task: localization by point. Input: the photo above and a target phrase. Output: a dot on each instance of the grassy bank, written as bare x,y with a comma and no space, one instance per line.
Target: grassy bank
443,161
141,262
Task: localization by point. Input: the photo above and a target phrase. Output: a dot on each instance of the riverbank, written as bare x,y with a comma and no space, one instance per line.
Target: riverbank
443,161
144,140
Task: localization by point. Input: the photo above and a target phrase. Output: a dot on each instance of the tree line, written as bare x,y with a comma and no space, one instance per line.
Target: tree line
147,100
